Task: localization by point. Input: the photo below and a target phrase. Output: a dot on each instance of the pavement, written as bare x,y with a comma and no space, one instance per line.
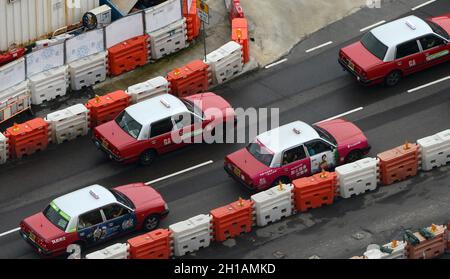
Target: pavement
309,86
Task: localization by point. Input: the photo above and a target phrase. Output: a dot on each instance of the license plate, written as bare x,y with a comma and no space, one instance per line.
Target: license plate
351,65
237,172
32,237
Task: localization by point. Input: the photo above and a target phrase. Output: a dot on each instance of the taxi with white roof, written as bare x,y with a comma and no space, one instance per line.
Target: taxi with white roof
161,124
93,215
296,150
398,48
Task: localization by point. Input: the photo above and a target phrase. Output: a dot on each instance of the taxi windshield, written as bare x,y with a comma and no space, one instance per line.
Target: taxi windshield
372,44
260,152
438,29
128,124
56,216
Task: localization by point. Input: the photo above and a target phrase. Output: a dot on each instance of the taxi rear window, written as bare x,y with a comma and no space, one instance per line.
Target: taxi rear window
372,44
261,153
56,216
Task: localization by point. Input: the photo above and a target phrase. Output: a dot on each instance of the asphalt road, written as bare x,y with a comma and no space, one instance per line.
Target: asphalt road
309,86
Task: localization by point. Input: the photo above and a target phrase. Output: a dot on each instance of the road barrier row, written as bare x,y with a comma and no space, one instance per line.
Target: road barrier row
239,34
193,23
4,149
15,100
169,39
192,78
303,194
68,124
435,150
225,62
236,10
105,108
49,85
147,89
128,55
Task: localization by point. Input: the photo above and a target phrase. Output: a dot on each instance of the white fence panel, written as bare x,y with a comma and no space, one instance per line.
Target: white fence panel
145,90
88,71
69,123
3,149
435,150
45,59
14,100
84,45
169,39
191,235
48,85
162,15
118,251
123,29
273,204
12,73
357,177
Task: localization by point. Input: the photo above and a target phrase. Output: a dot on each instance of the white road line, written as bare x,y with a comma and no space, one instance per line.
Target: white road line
373,25
319,46
180,172
423,5
9,232
276,63
428,84
342,114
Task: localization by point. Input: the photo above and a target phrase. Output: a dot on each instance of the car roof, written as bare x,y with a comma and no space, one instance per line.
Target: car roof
156,108
84,200
398,31
284,137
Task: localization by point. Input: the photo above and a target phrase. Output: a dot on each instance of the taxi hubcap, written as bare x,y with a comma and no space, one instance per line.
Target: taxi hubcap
151,223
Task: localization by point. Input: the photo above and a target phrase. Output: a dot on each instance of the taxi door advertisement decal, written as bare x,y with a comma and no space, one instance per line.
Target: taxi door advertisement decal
437,55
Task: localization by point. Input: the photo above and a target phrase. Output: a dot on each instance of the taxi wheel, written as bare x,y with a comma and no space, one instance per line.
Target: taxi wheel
151,222
393,78
353,156
147,157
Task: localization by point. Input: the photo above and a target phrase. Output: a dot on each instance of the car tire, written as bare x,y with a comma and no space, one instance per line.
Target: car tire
283,179
151,222
147,157
393,78
353,156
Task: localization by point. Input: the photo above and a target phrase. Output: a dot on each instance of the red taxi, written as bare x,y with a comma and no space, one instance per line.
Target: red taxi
161,124
93,215
296,150
398,48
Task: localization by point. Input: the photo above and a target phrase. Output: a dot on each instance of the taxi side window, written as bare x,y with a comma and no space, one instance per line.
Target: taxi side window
317,147
431,41
293,155
183,120
115,210
406,49
161,127
89,219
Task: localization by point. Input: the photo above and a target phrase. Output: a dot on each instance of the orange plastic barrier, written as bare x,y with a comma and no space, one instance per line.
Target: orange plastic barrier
192,20
239,34
315,191
232,220
399,163
28,137
153,245
190,79
128,55
105,108
428,248
236,10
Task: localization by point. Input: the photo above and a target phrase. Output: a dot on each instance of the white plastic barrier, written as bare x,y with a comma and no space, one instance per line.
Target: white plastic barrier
118,251
69,123
145,90
435,150
225,61
357,177
398,252
48,85
14,100
88,71
273,204
3,149
191,235
169,39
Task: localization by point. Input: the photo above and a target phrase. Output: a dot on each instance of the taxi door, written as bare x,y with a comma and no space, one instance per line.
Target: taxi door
119,219
435,50
188,128
321,155
91,227
295,163
160,136
408,57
